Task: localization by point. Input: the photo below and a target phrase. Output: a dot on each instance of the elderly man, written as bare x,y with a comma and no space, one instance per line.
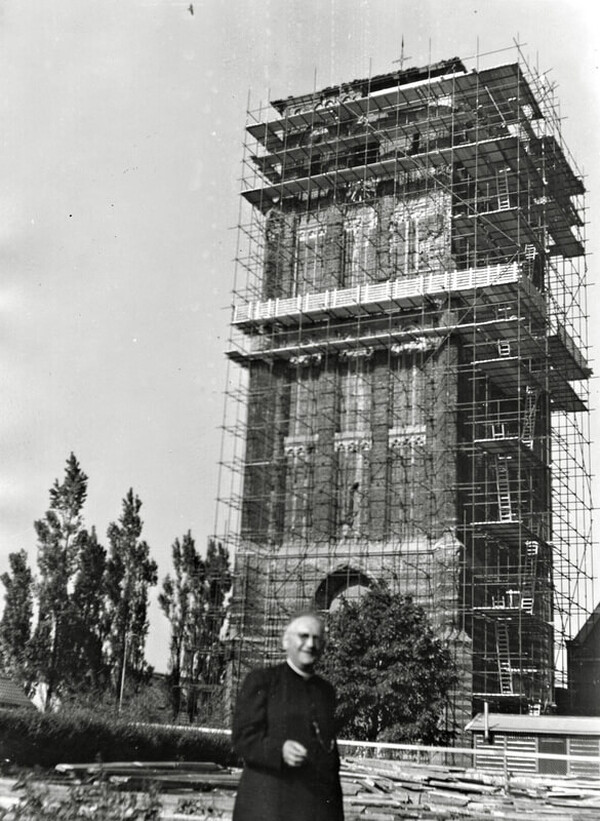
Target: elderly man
283,729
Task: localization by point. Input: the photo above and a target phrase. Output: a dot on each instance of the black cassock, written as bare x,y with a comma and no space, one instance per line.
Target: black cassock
276,704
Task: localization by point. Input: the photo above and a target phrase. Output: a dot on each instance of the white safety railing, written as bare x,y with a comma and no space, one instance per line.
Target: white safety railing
501,752
383,294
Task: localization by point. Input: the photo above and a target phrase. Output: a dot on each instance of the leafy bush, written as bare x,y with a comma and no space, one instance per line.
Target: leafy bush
392,674
141,702
95,802
45,739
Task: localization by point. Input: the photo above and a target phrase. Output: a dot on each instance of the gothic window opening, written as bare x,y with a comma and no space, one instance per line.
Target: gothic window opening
355,396
407,438
299,494
300,445
303,405
310,247
359,249
353,445
404,242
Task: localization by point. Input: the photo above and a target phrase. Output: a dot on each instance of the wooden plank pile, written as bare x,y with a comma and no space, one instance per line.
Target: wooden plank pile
374,790
166,775
379,790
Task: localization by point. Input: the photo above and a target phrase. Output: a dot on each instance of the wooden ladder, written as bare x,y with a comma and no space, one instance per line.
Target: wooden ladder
532,549
503,192
529,412
503,490
503,655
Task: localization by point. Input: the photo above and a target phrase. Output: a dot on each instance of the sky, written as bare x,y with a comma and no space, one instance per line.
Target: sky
121,126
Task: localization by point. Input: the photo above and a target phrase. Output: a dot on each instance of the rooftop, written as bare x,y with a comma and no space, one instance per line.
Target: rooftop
376,83
537,725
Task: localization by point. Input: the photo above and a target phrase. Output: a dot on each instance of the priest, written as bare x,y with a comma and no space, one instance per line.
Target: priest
284,731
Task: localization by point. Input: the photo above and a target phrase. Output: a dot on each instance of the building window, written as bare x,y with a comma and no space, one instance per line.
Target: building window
351,491
310,243
407,438
353,443
299,446
359,250
299,492
404,242
419,235
407,390
355,396
303,403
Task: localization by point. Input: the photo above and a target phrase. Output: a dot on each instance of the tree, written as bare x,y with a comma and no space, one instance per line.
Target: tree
206,662
130,572
89,605
15,626
61,536
194,602
177,601
392,674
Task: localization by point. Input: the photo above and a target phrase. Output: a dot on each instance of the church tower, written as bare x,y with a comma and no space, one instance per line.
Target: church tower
410,330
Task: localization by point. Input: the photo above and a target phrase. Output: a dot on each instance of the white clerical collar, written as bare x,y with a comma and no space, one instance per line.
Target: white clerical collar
300,672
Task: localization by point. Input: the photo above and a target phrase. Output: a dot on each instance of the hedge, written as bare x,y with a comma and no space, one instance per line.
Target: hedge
30,738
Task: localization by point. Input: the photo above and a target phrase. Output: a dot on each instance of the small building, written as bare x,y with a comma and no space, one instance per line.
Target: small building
12,696
519,744
583,654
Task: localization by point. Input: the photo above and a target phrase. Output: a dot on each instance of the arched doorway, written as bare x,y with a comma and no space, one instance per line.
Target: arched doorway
346,583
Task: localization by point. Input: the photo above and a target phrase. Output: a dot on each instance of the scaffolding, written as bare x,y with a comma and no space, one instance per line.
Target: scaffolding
412,406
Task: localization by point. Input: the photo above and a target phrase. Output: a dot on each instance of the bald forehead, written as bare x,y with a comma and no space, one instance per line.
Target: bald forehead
306,625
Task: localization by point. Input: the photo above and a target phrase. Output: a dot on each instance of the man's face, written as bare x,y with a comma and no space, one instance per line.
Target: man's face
304,642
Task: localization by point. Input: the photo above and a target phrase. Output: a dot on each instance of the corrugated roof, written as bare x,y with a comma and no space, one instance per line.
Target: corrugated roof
536,725
11,695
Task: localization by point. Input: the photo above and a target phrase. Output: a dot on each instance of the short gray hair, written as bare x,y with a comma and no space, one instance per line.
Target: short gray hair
307,612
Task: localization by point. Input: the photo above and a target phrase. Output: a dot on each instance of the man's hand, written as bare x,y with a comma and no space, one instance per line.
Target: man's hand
294,753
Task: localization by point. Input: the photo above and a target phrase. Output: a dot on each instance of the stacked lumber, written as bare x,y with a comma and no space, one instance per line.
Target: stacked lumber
202,776
379,790
374,790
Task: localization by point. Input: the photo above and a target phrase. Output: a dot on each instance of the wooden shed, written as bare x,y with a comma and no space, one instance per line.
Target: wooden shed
527,744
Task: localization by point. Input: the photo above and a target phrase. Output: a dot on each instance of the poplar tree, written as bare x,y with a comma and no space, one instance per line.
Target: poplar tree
177,601
194,601
60,536
130,572
219,581
17,616
89,614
